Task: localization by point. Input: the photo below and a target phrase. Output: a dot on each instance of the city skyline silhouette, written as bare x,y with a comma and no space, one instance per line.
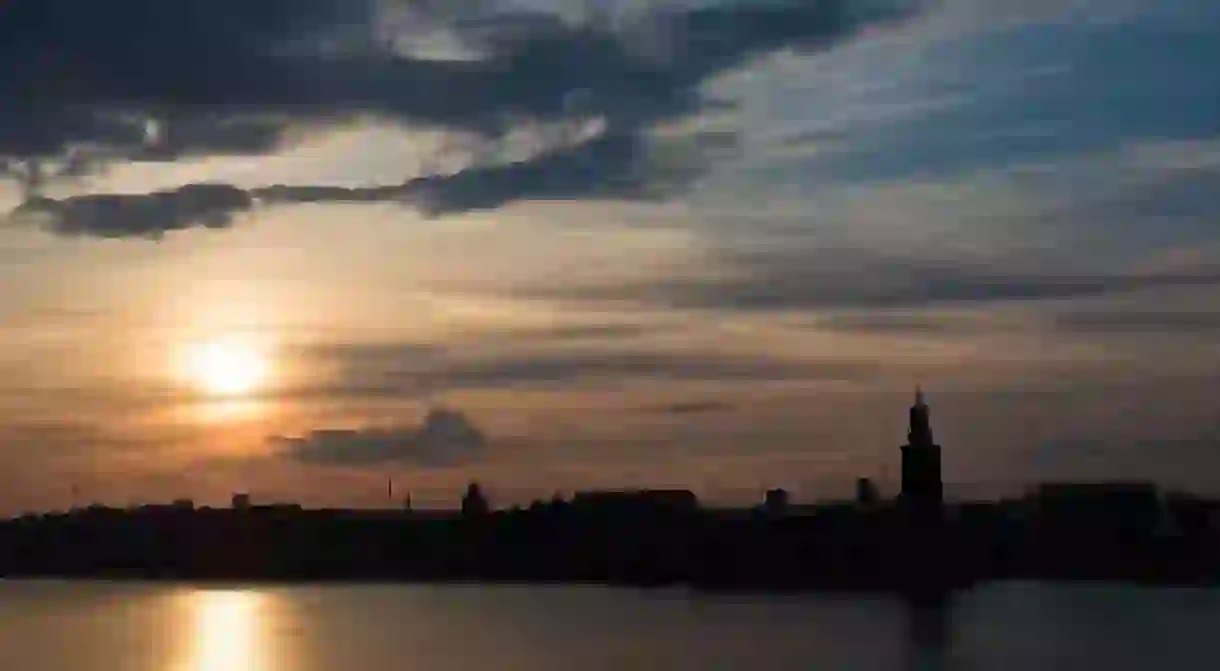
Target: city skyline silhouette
915,543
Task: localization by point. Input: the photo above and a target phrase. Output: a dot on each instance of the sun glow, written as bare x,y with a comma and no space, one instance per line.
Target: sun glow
227,367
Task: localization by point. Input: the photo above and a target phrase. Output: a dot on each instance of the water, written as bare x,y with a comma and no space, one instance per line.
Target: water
51,626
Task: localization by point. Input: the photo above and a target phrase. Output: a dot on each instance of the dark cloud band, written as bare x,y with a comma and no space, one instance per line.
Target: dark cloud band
138,80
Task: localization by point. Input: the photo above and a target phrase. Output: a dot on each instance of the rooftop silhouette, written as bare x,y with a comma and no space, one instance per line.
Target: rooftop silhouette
917,543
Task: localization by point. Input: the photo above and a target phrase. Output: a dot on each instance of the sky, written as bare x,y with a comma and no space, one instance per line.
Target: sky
300,247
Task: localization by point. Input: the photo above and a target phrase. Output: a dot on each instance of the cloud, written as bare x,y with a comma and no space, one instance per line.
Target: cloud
935,322
580,332
138,215
445,438
234,76
1144,321
1058,86
87,72
533,368
230,69
610,167
1093,225
88,448
693,407
847,278
412,372
500,339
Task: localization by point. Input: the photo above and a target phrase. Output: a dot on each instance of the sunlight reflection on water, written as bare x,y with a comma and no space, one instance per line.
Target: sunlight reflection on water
229,632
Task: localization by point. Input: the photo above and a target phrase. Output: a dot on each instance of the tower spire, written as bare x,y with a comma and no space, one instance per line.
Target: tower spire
921,476
920,427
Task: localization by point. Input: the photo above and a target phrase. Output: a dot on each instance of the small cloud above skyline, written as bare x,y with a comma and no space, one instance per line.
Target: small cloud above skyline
444,438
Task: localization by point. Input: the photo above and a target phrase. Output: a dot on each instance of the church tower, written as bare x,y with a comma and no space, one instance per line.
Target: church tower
922,488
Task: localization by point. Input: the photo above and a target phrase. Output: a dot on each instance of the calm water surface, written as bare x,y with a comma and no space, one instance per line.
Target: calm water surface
51,626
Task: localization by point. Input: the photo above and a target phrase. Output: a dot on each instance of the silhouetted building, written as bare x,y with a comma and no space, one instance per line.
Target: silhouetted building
866,493
1134,505
1193,514
640,500
474,503
775,502
241,501
282,509
922,487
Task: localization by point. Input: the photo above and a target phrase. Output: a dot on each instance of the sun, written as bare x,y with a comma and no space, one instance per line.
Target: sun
227,367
